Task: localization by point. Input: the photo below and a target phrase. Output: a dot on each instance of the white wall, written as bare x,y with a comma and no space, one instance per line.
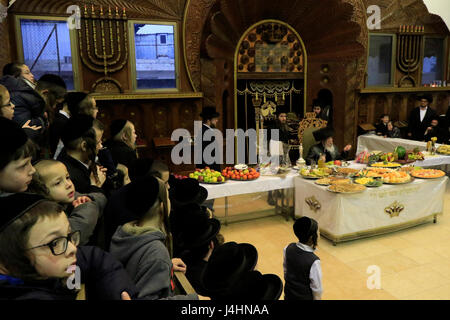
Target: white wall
441,8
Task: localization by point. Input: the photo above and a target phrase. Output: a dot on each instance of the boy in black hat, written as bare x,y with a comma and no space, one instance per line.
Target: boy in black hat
420,118
81,145
302,270
122,143
226,267
325,150
16,170
195,239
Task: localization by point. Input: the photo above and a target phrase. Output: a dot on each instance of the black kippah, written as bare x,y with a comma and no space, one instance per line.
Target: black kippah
12,136
76,127
16,205
117,126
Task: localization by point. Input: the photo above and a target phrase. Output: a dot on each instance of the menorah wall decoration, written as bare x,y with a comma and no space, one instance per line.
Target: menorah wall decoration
409,53
98,56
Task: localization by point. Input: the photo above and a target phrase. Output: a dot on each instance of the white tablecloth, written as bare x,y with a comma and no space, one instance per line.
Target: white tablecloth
350,216
263,183
372,142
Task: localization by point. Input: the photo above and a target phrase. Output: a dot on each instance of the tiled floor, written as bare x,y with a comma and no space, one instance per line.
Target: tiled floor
414,263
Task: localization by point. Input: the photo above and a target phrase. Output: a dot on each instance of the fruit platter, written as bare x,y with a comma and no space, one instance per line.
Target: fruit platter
397,177
427,173
444,149
207,175
247,174
315,173
369,182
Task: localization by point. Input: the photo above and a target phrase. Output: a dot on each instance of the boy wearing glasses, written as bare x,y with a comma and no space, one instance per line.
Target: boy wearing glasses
38,254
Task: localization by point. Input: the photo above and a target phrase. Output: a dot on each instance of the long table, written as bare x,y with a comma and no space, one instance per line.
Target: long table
262,184
373,142
343,217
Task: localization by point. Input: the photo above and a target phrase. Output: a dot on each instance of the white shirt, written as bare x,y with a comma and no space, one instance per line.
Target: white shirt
315,274
422,113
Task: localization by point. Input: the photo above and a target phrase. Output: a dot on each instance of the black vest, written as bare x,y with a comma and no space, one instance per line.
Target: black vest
298,267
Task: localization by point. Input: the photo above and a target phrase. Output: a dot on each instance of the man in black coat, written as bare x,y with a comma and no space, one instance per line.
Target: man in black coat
326,150
435,130
420,118
210,118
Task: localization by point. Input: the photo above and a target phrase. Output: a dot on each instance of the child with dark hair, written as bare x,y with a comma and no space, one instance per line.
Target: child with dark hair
52,180
82,143
144,243
16,170
39,258
302,270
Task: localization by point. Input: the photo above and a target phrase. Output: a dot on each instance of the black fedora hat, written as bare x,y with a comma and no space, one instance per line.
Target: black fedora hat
280,110
209,113
193,227
323,134
226,266
255,286
187,191
427,97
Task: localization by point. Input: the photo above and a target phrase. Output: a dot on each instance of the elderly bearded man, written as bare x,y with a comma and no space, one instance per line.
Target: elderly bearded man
326,150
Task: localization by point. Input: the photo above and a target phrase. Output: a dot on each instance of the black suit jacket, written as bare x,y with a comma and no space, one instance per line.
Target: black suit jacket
56,129
416,127
214,166
79,174
381,128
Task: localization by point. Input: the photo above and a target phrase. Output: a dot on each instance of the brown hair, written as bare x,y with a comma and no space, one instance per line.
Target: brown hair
25,151
14,240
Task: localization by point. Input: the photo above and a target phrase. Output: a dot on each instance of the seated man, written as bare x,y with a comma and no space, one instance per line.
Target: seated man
381,127
325,150
434,130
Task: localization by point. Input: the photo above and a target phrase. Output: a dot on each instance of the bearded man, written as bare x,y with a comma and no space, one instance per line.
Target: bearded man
326,150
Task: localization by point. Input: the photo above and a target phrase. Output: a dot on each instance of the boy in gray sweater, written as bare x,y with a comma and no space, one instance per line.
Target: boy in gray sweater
52,180
144,245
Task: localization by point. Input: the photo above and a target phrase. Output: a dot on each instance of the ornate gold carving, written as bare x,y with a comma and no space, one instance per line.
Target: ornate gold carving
394,209
104,61
313,203
310,121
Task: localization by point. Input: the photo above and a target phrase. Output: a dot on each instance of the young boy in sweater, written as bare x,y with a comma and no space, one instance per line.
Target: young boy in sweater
52,181
302,270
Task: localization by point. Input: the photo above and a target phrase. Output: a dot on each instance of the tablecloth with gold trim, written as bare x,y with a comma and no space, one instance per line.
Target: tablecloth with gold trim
374,211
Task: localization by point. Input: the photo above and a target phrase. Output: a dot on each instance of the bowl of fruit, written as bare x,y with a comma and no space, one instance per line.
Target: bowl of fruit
207,175
239,174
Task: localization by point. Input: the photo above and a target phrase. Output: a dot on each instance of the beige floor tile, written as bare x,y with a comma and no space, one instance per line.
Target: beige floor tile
424,278
399,286
439,293
389,263
420,255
